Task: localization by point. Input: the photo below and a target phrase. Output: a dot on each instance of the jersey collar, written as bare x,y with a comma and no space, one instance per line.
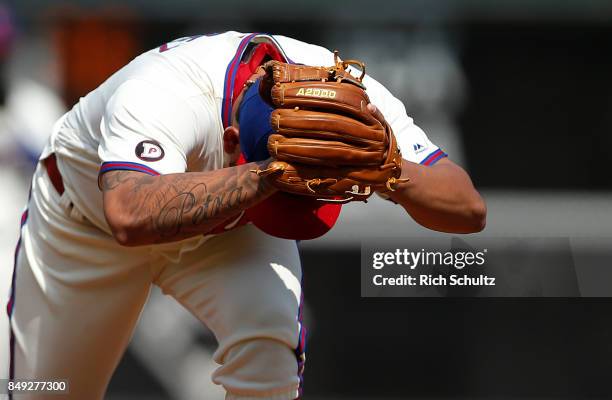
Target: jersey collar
243,64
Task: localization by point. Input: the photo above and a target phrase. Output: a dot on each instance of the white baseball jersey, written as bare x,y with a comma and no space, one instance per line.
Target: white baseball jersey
165,112
77,294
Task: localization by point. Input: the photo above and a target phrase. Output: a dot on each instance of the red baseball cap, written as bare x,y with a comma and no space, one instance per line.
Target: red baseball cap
294,217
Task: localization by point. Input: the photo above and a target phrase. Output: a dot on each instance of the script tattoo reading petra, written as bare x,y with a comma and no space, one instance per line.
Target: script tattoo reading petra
195,206
180,205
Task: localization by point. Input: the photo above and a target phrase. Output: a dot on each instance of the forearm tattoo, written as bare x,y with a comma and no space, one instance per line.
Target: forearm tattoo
181,205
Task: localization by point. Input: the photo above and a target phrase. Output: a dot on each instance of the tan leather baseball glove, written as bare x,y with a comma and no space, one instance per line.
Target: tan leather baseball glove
325,142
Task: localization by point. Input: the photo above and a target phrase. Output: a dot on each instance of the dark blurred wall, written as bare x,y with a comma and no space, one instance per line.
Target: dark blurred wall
539,113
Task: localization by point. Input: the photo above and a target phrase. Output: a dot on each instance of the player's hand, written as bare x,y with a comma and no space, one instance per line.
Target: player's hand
376,113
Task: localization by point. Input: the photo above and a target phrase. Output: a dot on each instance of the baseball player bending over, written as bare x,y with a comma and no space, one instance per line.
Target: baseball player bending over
194,168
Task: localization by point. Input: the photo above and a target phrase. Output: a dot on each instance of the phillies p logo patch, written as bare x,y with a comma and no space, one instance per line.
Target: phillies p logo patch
148,150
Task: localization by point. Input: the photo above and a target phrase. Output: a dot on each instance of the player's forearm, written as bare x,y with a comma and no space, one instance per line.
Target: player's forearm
143,209
441,197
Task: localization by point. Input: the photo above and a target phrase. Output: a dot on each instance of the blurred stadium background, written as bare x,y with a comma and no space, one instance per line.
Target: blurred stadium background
518,92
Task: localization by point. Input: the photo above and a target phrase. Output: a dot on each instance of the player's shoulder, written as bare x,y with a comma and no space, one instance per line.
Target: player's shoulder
220,46
303,52
205,52
224,42
146,99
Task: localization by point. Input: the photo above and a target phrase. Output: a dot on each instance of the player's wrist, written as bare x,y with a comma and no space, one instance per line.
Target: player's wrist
263,180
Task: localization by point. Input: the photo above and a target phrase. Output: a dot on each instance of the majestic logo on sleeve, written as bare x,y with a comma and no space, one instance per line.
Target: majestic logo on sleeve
148,150
419,148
